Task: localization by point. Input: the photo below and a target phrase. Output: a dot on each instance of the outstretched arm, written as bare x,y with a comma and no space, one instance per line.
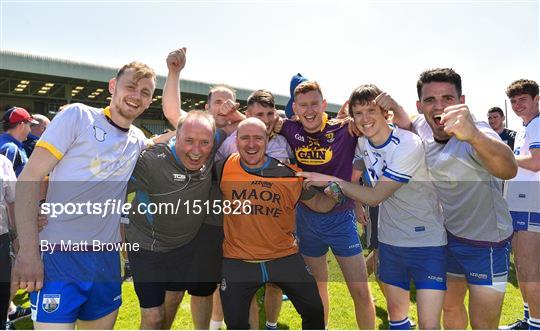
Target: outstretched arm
176,61
372,196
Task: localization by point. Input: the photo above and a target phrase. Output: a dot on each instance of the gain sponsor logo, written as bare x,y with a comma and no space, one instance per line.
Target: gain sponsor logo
313,156
51,302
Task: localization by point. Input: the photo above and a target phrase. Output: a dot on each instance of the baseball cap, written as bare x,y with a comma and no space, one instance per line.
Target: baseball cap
16,115
295,81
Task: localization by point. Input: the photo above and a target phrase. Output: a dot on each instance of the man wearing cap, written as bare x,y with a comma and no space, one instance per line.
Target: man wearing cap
36,130
16,124
295,81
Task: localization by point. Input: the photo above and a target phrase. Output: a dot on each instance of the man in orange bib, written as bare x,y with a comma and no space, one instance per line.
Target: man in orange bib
260,245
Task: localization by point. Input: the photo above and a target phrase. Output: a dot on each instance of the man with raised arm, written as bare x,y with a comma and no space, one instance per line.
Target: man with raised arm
467,161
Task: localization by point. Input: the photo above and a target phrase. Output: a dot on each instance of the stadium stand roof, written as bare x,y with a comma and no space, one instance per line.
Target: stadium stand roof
43,84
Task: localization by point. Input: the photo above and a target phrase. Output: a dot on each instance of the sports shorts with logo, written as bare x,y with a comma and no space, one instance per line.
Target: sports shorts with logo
78,285
526,221
425,266
480,265
337,230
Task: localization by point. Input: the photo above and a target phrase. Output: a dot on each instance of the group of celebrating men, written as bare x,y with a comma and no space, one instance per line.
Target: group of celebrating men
436,178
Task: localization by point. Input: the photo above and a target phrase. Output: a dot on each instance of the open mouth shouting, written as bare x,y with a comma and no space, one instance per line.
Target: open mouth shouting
437,119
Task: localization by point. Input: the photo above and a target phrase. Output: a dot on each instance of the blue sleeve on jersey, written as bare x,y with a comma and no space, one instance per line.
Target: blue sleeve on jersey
402,178
10,151
535,144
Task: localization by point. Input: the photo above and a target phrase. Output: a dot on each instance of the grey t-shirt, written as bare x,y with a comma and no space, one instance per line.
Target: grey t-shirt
471,198
161,179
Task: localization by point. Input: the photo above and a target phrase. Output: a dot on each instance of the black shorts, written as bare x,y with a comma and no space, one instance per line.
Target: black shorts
371,230
194,267
208,259
242,279
5,275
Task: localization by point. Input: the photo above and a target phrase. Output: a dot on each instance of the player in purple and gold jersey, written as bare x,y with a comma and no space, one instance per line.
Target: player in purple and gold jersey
324,146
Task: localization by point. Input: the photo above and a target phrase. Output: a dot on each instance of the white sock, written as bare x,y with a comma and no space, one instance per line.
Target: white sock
12,308
534,323
215,325
270,324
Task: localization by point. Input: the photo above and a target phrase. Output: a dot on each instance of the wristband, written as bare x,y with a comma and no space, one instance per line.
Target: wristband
336,193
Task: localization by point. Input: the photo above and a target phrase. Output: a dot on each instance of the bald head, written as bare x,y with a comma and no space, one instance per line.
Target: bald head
251,140
38,129
252,121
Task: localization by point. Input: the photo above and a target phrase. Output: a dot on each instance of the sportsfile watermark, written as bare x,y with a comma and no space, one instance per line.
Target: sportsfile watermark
118,207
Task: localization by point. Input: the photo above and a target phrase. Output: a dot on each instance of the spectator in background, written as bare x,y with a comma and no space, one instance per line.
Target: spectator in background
7,233
523,194
496,121
16,124
36,130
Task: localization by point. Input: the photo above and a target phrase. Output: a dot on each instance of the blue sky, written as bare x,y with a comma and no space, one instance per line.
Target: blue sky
261,44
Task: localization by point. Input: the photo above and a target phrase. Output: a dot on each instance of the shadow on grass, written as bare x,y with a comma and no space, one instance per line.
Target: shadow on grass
383,315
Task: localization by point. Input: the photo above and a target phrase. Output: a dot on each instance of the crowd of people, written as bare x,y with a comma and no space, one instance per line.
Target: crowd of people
258,200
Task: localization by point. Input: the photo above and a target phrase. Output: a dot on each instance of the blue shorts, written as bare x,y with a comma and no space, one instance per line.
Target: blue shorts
488,266
78,285
525,221
316,232
425,266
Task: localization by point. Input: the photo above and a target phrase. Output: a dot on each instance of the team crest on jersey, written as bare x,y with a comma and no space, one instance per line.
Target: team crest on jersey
99,134
330,137
51,302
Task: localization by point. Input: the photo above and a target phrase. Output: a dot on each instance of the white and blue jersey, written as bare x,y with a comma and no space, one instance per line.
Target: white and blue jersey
523,191
95,161
411,217
411,231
